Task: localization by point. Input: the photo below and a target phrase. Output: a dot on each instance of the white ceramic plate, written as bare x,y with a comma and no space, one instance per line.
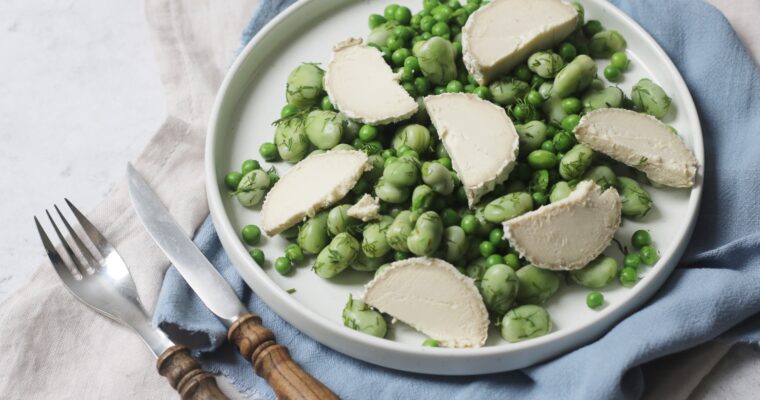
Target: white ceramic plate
250,99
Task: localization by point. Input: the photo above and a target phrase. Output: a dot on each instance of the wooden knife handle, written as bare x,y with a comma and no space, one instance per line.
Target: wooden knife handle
272,361
186,376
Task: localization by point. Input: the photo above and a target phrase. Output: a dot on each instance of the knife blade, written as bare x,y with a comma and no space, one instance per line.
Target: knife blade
253,340
202,277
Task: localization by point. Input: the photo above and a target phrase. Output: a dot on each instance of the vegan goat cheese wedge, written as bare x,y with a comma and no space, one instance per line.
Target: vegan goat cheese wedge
366,209
479,137
314,183
640,141
502,34
431,296
568,234
361,85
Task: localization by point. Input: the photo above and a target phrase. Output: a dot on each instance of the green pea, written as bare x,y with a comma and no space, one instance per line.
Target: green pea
494,259
414,136
560,191
563,141
326,104
603,44
380,34
650,98
304,85
290,233
252,188
525,322
594,300
426,235
294,253
251,235
534,98
283,265
575,162
649,255
399,230
636,202
249,165
572,105
232,180
496,237
567,51
531,135
512,260
620,60
507,207
536,285
268,151
338,220
641,238
597,274
486,249
548,145
499,288
575,77
546,64
403,15
542,159
436,57
612,73
374,243
470,224
632,260
455,244
570,122
291,139
628,276
360,317
376,20
539,198
382,269
258,256
313,235
610,97
442,13
333,259
430,343
454,87
592,27
507,91
602,176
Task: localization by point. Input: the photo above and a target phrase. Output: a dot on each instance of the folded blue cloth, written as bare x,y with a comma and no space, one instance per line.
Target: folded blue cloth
714,289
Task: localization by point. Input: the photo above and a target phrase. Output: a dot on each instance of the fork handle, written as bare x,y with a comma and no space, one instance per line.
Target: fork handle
186,376
272,361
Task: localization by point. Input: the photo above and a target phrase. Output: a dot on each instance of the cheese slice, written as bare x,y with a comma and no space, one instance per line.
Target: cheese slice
431,296
314,183
366,209
361,85
569,233
640,141
479,137
502,34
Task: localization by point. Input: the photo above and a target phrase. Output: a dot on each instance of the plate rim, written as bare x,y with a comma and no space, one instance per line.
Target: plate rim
404,356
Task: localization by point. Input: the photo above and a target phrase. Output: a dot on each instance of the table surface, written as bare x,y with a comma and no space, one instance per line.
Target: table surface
81,96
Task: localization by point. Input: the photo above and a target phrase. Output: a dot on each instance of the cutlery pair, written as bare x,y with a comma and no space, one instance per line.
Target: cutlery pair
106,285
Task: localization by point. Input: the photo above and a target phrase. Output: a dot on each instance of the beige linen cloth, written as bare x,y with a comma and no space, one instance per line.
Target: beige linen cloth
51,346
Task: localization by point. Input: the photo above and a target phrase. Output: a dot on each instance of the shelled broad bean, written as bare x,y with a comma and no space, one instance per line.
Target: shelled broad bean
423,204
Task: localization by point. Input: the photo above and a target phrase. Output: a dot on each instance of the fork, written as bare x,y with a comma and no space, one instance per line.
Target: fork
105,284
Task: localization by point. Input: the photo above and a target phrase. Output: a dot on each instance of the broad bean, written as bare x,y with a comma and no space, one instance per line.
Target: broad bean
605,43
334,258
525,322
536,285
436,57
575,162
575,77
389,192
338,220
324,129
422,198
636,201
508,206
455,244
403,172
360,317
602,175
650,98
553,110
597,273
374,243
304,85
499,288
438,178
531,134
399,231
611,97
507,91
252,188
416,136
313,235
291,140
426,235
561,190
546,64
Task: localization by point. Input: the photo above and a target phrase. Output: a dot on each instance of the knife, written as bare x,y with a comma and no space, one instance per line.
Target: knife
255,342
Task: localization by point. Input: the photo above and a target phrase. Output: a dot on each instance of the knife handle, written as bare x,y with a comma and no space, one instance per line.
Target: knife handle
272,361
186,376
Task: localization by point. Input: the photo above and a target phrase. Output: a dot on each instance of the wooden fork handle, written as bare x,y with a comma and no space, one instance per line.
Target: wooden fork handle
186,376
272,361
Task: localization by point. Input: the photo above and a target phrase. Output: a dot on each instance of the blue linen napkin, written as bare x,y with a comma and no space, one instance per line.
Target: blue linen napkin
713,291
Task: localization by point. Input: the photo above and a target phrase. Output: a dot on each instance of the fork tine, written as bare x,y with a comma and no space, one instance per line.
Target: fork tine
55,258
104,247
82,248
72,256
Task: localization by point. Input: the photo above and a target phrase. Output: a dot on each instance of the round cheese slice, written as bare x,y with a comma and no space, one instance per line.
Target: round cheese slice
433,297
568,234
314,183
